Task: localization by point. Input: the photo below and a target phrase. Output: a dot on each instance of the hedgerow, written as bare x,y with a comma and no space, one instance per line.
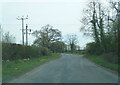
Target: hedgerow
11,51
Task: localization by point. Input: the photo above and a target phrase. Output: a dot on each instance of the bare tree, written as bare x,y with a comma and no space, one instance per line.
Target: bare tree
72,41
7,38
89,21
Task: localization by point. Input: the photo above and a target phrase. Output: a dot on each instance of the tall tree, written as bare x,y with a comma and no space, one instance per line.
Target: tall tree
89,21
100,24
46,36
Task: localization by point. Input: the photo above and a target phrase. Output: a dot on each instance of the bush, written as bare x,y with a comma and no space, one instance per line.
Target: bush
93,48
16,51
45,51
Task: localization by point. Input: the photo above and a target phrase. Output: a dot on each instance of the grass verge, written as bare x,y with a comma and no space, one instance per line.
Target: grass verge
101,61
12,69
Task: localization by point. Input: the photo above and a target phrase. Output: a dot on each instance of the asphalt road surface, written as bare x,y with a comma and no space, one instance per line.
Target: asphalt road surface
68,69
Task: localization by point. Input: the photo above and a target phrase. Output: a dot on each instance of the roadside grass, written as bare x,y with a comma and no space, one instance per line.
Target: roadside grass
12,69
101,61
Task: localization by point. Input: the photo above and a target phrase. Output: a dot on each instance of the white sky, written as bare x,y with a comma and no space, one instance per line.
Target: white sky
61,14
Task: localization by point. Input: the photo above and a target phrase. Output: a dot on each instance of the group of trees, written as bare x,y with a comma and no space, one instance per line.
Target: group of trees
49,38
52,39
103,24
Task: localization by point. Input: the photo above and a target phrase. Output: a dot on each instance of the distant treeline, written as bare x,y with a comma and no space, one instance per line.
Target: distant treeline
11,51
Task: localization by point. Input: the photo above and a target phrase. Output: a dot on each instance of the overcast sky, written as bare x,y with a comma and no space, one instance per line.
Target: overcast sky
62,15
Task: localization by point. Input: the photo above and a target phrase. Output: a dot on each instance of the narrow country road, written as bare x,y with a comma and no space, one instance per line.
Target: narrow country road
68,69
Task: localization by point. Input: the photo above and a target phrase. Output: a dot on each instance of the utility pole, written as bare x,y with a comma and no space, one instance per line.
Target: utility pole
26,34
22,18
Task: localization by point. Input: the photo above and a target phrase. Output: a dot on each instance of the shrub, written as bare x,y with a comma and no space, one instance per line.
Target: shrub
45,51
